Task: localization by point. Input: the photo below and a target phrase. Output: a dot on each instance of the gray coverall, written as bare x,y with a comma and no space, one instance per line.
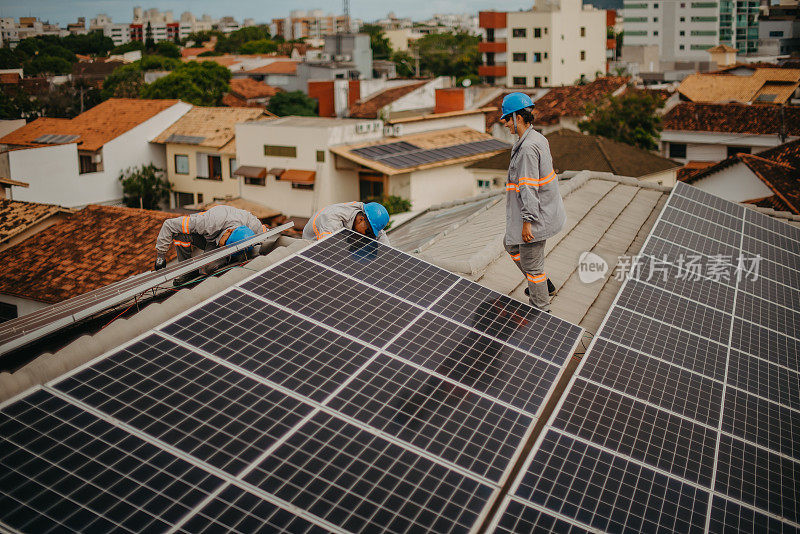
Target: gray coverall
335,217
203,230
532,196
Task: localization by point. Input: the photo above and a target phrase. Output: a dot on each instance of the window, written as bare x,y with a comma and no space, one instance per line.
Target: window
545,55
704,19
683,19
634,19
583,31
583,55
484,185
86,164
545,31
700,47
655,6
704,4
707,33
655,33
677,150
181,164
537,81
682,33
183,199
519,80
199,198
733,150
537,33
537,57
320,156
231,167
519,32
636,33
519,57
545,79
255,181
776,34
7,312
309,187
681,47
370,188
214,168
655,19
280,151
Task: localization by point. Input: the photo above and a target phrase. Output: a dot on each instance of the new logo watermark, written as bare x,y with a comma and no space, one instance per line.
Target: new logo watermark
689,267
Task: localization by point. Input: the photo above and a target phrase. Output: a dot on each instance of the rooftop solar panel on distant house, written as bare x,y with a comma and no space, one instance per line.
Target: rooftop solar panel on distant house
683,415
348,388
185,139
56,139
402,154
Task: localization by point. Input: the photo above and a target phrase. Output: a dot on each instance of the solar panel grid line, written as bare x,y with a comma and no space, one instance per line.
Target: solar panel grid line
724,392
495,526
323,407
783,389
749,427
183,456
379,349
429,310
762,220
700,196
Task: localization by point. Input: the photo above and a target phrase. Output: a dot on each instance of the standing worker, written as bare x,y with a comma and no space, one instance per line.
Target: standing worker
216,227
534,209
366,219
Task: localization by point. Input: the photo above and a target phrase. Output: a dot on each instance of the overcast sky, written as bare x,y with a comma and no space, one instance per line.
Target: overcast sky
65,11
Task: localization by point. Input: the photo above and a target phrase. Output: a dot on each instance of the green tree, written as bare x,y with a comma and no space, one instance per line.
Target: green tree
202,84
449,54
630,118
292,103
261,46
17,105
47,65
127,81
168,49
404,63
144,187
381,48
68,100
93,43
149,42
131,46
8,59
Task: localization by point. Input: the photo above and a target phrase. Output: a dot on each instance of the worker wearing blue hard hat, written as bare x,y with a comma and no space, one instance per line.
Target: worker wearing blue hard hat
216,227
368,219
534,209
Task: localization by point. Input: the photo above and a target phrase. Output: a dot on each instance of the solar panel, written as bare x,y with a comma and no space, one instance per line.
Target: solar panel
683,415
53,139
402,154
185,139
351,387
20,331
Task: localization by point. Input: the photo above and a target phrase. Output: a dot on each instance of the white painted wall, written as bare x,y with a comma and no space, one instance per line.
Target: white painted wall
24,306
53,172
476,121
420,98
712,146
8,126
441,184
736,183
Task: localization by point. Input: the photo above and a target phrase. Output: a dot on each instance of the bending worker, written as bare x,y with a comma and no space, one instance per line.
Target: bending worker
216,227
366,219
534,209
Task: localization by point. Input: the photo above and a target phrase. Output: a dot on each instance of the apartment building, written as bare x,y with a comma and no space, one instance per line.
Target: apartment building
558,42
683,31
161,26
313,24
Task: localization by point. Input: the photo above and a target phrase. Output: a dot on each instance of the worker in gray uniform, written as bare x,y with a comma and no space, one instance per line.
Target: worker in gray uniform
534,208
367,219
216,227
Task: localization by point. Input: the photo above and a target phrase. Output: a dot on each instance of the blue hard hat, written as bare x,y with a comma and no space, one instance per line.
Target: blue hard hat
239,234
515,102
377,216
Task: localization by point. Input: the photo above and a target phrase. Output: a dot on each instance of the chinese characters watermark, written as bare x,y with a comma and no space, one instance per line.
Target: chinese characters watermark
688,267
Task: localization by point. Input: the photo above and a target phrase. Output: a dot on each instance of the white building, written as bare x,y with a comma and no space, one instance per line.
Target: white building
683,31
556,43
75,162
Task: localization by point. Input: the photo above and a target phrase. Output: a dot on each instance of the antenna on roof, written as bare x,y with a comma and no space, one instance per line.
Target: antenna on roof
346,11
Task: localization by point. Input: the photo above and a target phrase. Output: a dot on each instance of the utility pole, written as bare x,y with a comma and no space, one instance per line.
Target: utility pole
782,132
346,10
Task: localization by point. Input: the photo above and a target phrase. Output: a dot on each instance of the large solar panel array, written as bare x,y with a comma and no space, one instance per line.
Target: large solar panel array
18,332
684,414
348,388
401,155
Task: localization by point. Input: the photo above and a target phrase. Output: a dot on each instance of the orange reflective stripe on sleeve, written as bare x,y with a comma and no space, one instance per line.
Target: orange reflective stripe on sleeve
537,182
185,225
263,227
512,187
181,243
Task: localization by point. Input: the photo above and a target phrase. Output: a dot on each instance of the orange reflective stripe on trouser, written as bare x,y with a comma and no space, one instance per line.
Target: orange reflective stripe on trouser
514,257
536,279
181,243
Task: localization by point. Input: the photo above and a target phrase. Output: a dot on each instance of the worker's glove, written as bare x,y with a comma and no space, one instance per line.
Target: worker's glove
160,263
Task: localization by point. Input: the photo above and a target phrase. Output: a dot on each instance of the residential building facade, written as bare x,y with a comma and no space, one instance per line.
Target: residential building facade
313,24
75,162
555,43
683,31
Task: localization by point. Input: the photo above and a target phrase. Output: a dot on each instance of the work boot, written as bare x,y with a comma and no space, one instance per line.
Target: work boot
551,289
186,278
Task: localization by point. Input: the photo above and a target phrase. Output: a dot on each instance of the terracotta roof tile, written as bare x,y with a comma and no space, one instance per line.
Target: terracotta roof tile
215,125
9,78
249,88
276,67
17,216
568,101
691,168
96,127
90,249
732,118
369,109
233,101
722,88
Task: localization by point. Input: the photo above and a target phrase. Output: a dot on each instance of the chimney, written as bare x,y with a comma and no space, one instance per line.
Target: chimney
449,100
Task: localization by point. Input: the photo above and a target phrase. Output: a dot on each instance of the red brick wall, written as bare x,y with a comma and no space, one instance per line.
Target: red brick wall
449,100
323,92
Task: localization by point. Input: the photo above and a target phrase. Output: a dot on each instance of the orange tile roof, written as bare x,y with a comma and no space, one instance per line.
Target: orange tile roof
276,67
369,109
17,216
216,125
90,249
249,88
9,77
298,176
96,127
193,52
233,101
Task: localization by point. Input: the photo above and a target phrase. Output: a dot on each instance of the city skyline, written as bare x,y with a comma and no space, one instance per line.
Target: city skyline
63,13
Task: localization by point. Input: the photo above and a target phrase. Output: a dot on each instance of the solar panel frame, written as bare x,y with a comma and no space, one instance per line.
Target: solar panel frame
23,330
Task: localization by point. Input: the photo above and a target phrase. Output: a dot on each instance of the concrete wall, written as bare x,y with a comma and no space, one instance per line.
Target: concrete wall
737,183
53,172
441,184
189,183
708,146
420,98
475,121
8,126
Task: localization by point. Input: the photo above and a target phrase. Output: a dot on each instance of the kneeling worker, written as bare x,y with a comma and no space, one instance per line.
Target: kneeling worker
214,228
366,219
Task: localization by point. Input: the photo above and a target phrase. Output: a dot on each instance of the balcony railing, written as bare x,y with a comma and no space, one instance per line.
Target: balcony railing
492,70
496,47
